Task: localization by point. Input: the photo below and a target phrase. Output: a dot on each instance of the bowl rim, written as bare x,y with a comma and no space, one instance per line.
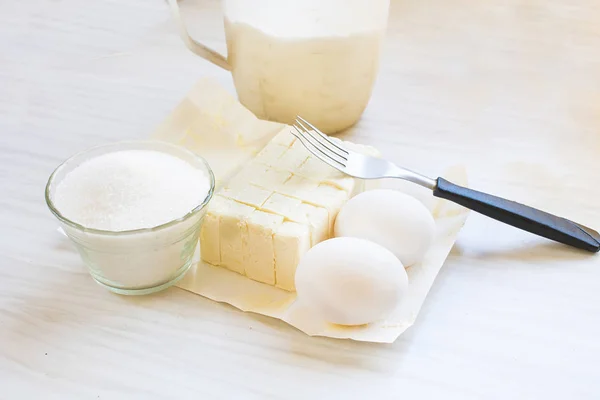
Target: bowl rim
133,144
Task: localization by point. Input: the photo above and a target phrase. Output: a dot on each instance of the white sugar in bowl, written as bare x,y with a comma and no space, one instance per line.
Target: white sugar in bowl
133,211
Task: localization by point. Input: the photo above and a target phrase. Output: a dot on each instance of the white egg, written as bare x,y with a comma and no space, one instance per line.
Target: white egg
393,219
351,281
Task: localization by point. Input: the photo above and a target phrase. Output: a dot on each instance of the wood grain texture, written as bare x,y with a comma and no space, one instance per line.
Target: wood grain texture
509,88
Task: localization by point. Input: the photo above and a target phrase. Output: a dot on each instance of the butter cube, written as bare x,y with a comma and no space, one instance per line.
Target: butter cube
259,254
318,221
248,194
231,231
259,175
291,159
298,187
284,138
210,246
272,179
316,194
291,241
314,168
270,154
317,170
250,173
328,197
288,207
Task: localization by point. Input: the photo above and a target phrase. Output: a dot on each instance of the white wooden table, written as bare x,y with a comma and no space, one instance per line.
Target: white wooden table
509,88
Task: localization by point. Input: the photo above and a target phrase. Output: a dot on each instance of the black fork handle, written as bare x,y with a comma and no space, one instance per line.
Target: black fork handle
521,216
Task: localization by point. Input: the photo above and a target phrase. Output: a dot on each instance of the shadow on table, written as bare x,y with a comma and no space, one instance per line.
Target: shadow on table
540,251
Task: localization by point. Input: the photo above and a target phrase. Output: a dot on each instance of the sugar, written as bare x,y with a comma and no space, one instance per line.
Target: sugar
130,189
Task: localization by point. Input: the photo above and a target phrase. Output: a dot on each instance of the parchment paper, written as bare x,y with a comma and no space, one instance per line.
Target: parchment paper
214,124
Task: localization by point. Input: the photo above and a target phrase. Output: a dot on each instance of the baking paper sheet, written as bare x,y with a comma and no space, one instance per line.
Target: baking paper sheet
212,123
215,125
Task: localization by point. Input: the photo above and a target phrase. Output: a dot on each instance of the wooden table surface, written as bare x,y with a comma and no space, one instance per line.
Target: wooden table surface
510,88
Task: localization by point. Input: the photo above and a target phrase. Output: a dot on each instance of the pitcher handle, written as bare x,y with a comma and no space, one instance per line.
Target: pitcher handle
196,47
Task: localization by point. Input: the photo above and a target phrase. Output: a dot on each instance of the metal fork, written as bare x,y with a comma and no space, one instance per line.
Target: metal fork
512,213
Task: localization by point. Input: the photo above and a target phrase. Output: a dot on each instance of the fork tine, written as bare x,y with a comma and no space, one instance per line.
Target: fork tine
325,142
316,150
324,136
313,138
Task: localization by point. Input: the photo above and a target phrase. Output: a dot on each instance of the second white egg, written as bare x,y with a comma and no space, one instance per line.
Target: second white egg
395,220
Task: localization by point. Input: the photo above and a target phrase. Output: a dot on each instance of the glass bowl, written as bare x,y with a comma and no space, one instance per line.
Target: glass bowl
139,261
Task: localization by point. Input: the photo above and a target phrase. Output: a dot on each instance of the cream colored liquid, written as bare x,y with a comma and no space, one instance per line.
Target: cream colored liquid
324,74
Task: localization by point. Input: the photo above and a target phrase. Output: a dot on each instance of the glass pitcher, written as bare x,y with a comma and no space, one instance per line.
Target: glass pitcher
313,58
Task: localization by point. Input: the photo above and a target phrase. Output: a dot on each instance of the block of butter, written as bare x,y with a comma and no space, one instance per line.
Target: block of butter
280,204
